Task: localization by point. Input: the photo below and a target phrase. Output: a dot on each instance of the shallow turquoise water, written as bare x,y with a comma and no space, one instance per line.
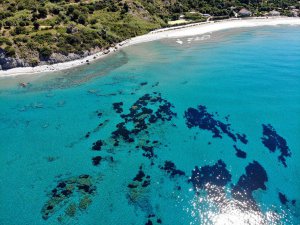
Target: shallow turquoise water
251,75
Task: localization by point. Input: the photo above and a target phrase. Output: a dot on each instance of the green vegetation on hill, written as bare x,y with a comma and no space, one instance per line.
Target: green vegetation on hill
34,29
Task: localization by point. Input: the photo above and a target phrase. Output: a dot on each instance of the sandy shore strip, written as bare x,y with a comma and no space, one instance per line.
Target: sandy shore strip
172,32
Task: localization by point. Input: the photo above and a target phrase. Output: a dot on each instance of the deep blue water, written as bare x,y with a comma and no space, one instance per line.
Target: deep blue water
160,133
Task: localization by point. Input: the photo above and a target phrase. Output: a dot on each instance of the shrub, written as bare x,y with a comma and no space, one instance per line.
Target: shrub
70,9
20,30
34,62
9,51
75,15
93,21
20,39
42,12
22,24
45,52
55,10
4,40
8,23
82,19
36,25
43,38
71,39
91,8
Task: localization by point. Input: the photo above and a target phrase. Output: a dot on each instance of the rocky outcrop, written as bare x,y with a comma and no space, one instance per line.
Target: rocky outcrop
59,58
10,62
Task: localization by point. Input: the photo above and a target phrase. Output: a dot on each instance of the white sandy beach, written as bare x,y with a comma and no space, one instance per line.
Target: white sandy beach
173,32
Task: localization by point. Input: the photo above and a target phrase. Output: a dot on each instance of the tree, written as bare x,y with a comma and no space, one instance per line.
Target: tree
8,23
125,8
42,12
70,9
34,16
19,30
75,15
36,25
93,21
55,10
45,52
22,24
82,19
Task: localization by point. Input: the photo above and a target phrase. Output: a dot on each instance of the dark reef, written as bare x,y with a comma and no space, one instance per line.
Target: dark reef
254,179
274,141
171,169
134,134
207,176
141,180
97,145
242,138
147,110
240,153
118,107
148,152
284,199
138,192
151,219
81,186
201,118
96,160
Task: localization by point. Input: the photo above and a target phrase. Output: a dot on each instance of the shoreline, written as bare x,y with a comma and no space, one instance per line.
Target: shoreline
170,32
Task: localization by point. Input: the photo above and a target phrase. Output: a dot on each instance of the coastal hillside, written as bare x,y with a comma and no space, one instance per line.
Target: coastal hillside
45,32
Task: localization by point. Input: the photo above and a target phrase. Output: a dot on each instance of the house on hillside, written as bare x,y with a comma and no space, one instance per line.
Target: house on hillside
244,13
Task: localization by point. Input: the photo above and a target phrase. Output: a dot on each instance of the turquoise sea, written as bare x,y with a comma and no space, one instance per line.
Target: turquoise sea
207,132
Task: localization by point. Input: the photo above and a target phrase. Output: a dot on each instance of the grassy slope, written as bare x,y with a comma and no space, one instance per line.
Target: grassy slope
34,29
69,26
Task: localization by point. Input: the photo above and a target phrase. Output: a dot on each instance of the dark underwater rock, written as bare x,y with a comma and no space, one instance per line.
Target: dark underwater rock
283,199
121,131
97,145
67,191
274,141
141,180
147,110
171,169
96,160
240,153
242,138
118,107
87,135
152,220
201,118
138,191
254,179
148,152
207,176
140,175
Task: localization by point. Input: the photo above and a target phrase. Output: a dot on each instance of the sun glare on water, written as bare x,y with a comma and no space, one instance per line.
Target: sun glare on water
222,210
233,215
